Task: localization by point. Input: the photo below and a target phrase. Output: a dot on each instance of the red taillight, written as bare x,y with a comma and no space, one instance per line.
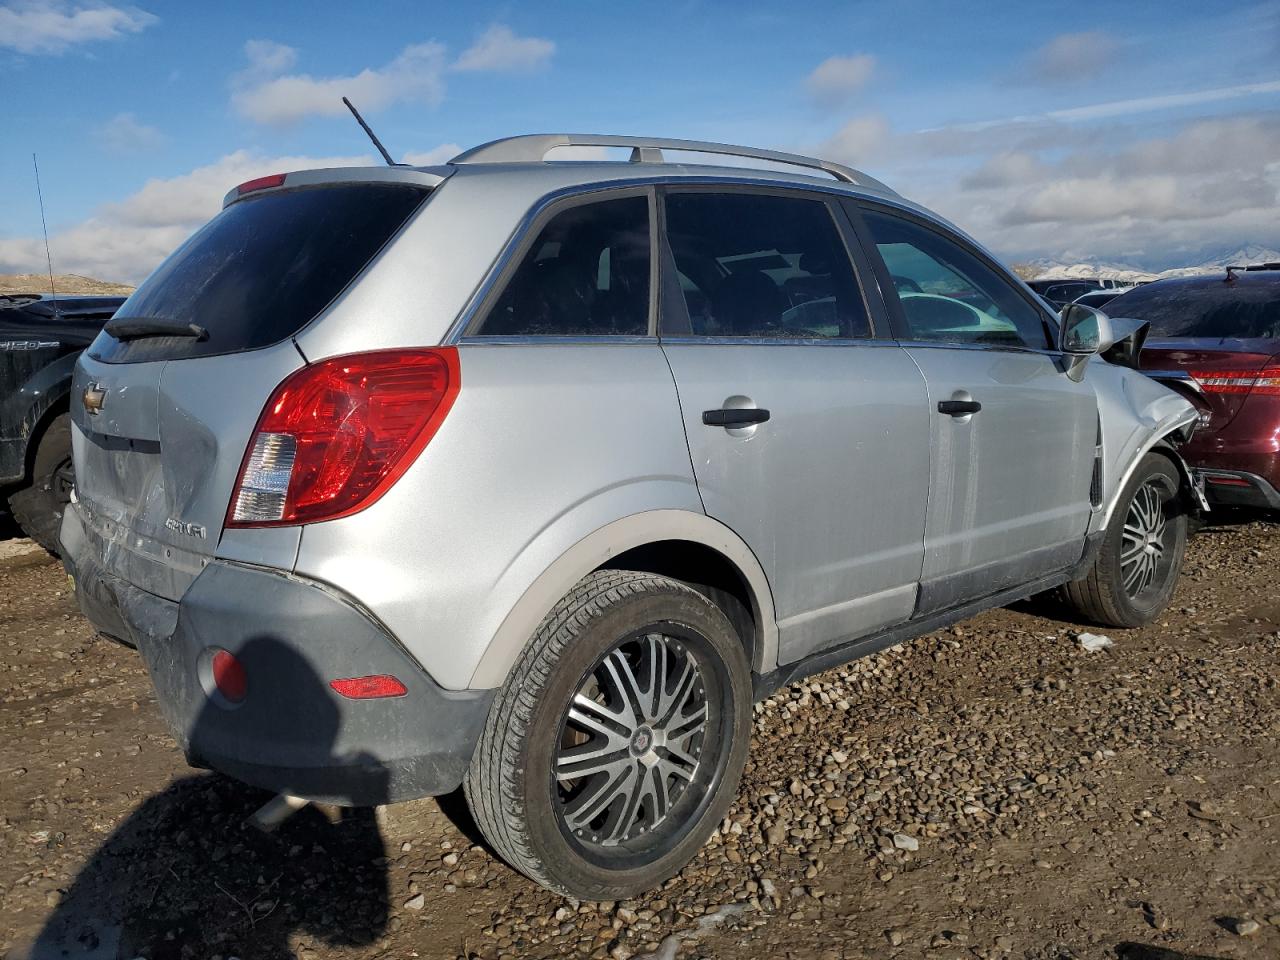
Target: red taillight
1265,381
260,183
229,677
1228,481
369,688
337,434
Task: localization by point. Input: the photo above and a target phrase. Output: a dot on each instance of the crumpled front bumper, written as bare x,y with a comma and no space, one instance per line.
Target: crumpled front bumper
292,732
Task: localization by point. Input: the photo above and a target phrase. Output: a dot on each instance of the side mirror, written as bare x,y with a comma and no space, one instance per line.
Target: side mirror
1083,331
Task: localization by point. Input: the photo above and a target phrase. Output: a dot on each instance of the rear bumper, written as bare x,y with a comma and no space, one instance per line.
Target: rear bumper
292,733
1238,488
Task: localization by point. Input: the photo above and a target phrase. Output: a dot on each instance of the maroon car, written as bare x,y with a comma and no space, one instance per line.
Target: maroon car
1217,339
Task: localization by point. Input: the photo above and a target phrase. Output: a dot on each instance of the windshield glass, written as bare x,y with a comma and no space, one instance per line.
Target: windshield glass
260,270
1204,308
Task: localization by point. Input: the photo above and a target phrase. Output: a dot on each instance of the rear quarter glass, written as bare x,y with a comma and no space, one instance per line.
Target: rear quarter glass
263,268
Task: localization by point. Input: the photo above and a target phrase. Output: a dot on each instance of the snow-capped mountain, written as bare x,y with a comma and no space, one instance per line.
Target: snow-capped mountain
1249,253
1089,269
1246,254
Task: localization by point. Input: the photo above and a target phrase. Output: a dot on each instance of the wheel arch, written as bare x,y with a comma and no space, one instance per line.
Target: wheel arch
51,412
687,546
1162,441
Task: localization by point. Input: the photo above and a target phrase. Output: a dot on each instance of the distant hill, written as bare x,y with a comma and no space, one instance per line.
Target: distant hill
1246,254
67,283
1053,270
1249,253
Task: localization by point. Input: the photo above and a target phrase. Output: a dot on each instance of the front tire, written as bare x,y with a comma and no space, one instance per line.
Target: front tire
618,741
37,507
1136,571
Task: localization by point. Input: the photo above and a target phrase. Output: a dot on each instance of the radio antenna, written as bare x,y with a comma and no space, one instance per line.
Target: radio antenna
372,136
45,227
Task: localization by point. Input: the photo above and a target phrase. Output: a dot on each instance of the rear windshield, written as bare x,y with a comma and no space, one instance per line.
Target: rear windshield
1204,308
260,270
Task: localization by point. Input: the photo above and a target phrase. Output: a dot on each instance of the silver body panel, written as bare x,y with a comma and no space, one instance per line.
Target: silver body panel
1012,479
843,417
559,454
545,444
158,463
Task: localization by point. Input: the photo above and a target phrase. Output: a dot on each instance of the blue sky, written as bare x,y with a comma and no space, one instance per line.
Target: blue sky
1142,132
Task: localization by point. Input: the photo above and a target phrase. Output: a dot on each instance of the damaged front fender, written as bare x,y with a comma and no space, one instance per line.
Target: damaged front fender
1137,415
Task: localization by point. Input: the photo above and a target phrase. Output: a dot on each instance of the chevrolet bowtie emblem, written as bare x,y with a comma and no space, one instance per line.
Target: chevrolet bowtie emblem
94,397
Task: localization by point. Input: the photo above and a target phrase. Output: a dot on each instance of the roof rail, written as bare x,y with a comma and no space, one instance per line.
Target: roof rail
534,147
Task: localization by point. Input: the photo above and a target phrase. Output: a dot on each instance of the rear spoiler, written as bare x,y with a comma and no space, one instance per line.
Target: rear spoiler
428,177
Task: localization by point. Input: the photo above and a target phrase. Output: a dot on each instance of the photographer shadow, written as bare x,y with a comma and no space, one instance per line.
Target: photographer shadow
185,875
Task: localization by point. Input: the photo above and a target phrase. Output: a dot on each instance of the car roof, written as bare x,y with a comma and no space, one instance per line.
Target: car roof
1251,278
523,159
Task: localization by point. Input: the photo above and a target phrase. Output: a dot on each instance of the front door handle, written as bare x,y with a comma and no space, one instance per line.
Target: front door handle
734,417
958,408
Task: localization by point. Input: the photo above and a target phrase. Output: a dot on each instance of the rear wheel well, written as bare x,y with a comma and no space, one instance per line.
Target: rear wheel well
706,570
56,409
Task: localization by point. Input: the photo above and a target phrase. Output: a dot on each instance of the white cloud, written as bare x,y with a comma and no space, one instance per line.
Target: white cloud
500,50
1005,169
1121,108
263,95
860,138
1213,181
125,133
49,26
1071,58
1041,187
1109,109
126,240
836,79
267,59
433,157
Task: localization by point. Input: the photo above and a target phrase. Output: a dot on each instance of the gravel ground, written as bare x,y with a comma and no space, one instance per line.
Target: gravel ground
990,790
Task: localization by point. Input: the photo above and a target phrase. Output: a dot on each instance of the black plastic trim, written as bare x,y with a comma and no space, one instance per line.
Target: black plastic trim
764,685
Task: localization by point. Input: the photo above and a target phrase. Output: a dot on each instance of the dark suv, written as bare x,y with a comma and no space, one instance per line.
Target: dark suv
1061,292
1217,338
40,339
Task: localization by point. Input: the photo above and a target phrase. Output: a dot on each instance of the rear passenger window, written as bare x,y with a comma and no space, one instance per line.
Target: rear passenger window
762,266
948,294
586,275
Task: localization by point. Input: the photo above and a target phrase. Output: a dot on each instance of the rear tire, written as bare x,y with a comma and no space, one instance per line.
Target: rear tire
1136,570
589,777
37,507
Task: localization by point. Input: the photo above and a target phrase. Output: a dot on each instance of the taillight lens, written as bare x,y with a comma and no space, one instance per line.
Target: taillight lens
337,434
1265,381
260,183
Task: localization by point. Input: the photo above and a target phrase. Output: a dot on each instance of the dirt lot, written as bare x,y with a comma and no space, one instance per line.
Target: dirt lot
992,790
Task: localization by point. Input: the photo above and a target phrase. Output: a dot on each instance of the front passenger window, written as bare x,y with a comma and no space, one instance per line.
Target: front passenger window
947,293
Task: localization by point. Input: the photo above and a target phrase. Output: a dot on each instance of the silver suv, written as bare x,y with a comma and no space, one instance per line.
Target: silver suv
530,476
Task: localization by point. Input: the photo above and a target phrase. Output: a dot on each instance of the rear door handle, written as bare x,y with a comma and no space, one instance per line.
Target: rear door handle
734,417
958,408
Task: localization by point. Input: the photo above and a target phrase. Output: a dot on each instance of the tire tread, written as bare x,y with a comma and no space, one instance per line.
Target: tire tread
492,783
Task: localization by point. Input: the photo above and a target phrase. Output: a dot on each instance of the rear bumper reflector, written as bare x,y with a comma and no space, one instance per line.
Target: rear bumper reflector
375,687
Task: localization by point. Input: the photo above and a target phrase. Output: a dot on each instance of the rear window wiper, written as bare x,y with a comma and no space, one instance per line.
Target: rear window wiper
138,328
